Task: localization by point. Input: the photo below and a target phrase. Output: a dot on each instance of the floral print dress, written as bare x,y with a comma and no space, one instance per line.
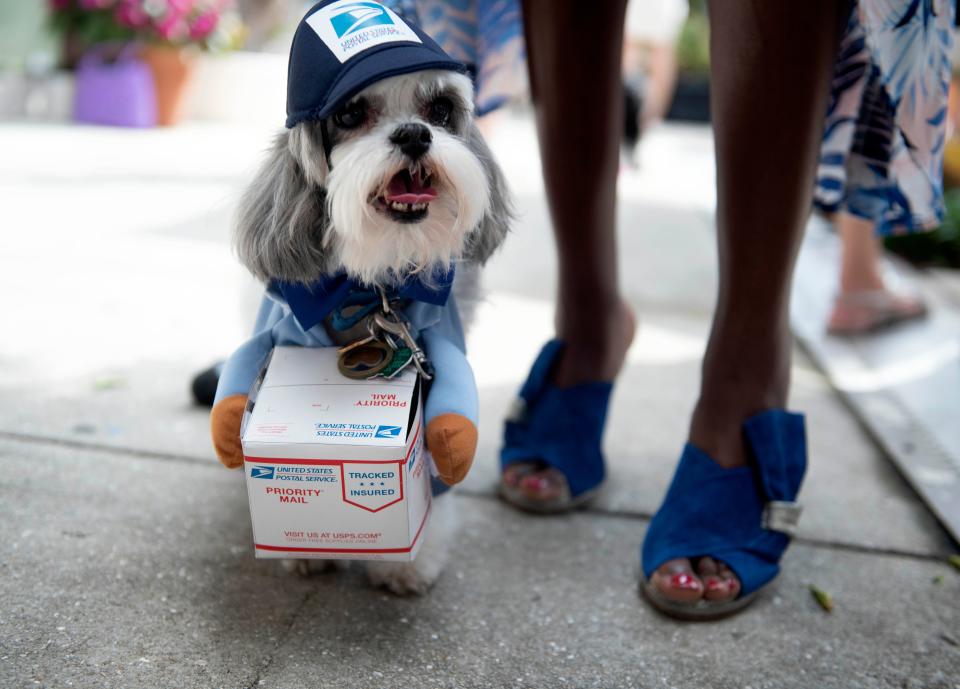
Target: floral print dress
883,142
486,35
885,130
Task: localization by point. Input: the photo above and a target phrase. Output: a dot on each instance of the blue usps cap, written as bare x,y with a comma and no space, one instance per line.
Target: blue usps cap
343,46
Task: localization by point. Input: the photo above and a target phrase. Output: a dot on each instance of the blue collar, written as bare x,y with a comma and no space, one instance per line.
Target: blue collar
312,303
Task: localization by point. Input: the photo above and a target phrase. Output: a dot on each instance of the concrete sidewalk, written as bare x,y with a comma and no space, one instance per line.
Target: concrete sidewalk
126,554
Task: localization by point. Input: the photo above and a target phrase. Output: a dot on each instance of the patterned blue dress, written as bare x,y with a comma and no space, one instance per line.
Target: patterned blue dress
486,35
883,143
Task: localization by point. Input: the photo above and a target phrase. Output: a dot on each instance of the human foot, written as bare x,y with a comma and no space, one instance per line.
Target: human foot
733,523
862,311
583,360
683,581
726,399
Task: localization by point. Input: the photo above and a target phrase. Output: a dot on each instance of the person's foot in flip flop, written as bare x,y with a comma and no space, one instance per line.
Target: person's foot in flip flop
590,354
865,311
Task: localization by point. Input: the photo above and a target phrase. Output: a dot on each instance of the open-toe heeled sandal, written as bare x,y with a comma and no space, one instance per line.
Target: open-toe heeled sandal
560,428
743,517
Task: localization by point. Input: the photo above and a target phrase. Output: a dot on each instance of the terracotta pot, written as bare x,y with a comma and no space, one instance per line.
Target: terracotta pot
173,69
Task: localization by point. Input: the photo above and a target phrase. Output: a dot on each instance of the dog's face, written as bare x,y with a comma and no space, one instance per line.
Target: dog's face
409,187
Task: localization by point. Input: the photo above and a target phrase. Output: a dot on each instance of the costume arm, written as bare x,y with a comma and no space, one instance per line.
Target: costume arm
451,408
238,374
453,390
243,366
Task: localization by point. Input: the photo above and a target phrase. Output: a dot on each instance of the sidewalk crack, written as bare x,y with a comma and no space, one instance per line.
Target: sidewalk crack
281,639
93,446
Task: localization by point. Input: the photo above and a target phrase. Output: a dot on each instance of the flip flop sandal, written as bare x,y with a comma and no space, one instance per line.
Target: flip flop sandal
880,308
560,428
743,517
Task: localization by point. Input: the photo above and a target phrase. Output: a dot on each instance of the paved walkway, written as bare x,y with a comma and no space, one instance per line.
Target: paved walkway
125,556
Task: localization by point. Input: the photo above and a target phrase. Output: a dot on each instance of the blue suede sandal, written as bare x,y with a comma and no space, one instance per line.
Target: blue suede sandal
743,517
561,428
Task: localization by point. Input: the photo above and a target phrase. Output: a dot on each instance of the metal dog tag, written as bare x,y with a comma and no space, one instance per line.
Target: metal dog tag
365,358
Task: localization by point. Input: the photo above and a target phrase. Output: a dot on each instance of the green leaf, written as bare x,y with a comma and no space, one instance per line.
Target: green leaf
937,579
955,561
108,384
824,599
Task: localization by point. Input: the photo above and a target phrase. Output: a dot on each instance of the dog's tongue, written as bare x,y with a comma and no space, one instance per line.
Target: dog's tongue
404,188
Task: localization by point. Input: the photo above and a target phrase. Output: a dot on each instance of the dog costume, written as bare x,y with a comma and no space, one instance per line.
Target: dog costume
339,49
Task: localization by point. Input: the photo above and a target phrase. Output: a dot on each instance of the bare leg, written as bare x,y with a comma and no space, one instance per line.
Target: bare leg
860,260
864,302
577,93
770,68
663,82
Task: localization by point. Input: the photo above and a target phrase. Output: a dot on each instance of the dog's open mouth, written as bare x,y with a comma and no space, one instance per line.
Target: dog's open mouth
407,196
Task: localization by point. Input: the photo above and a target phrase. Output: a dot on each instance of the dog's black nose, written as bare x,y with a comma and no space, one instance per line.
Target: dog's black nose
412,138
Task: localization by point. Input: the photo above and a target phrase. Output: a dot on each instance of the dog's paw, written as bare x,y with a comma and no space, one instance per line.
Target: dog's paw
403,578
307,567
416,578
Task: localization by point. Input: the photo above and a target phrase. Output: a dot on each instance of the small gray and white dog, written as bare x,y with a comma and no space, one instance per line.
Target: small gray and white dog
397,182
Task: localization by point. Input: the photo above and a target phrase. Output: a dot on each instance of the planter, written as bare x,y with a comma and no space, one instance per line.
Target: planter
173,70
691,101
114,87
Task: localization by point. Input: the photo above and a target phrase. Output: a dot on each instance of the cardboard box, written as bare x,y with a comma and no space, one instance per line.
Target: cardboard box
335,468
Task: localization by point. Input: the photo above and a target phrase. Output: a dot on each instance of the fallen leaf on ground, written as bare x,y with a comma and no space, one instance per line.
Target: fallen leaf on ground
108,383
824,599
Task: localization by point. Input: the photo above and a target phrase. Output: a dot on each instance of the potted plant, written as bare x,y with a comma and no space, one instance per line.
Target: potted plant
96,36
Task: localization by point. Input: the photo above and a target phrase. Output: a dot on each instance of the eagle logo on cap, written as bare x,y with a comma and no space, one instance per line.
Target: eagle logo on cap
358,16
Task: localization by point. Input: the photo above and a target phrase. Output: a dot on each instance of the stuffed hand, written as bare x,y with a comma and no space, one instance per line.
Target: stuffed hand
452,440
225,421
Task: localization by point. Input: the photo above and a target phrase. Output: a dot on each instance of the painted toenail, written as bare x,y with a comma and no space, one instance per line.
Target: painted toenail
717,586
682,580
536,484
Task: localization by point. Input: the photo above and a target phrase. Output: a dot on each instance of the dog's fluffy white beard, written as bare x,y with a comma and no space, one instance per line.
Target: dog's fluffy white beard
375,249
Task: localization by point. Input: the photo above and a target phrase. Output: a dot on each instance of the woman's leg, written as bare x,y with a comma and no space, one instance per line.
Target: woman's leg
770,68
860,258
573,54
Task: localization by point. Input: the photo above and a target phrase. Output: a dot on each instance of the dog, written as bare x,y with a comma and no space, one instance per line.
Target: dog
397,184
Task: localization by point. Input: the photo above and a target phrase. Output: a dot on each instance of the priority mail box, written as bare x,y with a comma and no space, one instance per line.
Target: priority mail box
335,468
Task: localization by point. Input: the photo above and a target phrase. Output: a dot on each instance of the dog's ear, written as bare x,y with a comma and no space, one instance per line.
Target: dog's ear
282,215
495,223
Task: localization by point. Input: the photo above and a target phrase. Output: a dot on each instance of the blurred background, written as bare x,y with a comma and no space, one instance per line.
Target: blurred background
128,130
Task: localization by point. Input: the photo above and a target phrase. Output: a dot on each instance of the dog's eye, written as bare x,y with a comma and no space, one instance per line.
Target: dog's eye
440,111
351,115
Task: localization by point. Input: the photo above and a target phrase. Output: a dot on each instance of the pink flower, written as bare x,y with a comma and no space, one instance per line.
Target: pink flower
130,13
204,24
172,27
180,7
59,5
